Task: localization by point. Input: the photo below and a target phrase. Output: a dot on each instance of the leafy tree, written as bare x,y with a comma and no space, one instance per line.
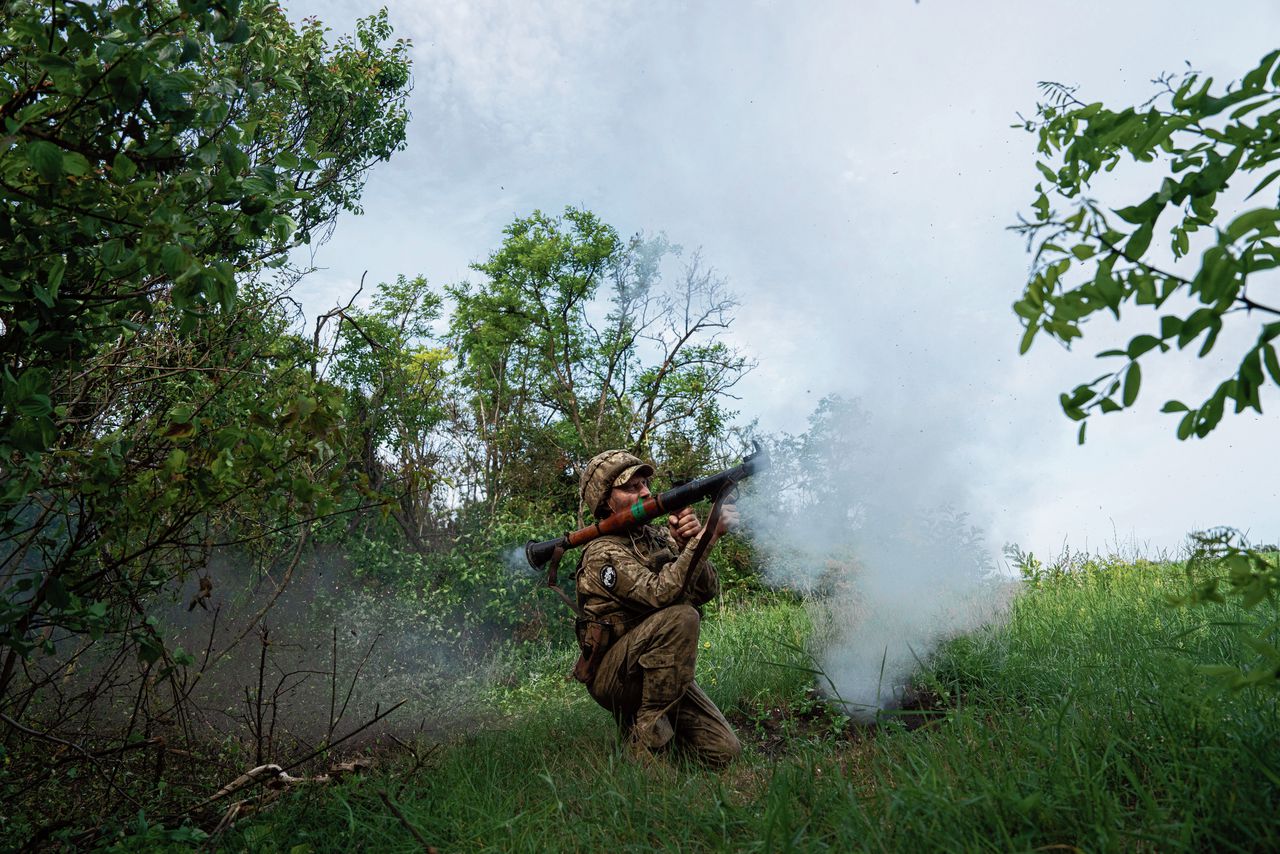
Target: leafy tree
398,397
157,160
552,376
521,341
678,410
1172,250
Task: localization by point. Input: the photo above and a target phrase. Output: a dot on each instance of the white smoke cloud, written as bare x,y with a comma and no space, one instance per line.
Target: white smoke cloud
867,514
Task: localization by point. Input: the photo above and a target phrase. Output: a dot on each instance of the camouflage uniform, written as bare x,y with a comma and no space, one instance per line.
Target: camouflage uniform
635,586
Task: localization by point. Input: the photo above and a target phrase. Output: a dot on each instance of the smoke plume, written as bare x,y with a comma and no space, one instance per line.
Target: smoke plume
866,516
336,651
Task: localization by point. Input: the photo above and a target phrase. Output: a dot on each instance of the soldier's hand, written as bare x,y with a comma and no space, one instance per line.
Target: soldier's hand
728,518
684,525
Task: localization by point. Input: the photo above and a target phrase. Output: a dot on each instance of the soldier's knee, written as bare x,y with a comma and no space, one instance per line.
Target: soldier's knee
684,619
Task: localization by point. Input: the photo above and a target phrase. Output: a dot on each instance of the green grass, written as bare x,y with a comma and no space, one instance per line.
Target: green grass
1080,723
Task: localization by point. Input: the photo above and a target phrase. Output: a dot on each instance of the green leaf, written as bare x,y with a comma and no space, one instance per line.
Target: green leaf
235,158
1251,367
239,33
1238,568
1187,424
1141,344
1253,594
54,279
1263,184
283,227
74,163
1041,204
175,259
56,593
1083,251
149,649
1174,406
1138,242
122,168
1027,336
1132,380
1262,220
1142,214
46,159
1272,363
177,460
1215,326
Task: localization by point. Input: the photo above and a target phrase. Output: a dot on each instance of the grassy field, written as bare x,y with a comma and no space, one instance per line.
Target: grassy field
1078,724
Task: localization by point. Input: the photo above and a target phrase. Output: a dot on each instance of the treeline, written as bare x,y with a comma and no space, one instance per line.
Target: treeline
489,396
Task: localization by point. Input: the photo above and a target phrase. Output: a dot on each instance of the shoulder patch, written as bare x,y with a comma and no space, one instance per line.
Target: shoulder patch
608,577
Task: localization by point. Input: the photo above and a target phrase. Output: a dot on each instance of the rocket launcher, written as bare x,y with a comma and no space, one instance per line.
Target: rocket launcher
711,487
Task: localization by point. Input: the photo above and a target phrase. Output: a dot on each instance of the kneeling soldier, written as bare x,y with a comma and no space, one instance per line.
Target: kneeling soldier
640,596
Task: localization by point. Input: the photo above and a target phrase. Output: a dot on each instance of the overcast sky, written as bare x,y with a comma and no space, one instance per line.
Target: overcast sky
851,170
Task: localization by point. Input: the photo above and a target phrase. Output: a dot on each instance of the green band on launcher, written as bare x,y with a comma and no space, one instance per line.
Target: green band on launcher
637,510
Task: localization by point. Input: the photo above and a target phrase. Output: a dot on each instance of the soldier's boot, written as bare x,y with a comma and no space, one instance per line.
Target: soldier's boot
638,752
668,667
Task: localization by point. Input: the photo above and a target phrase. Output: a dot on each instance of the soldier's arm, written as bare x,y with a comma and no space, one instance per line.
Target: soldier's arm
706,586
706,583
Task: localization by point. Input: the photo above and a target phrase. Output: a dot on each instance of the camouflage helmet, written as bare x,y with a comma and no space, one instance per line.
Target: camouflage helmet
605,471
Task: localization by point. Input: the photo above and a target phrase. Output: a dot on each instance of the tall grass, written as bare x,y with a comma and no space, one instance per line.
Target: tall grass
1080,723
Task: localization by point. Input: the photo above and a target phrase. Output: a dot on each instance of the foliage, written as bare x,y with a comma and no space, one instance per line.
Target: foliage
398,391
520,337
156,156
547,383
148,836
1090,258
479,588
157,162
1069,566
1224,566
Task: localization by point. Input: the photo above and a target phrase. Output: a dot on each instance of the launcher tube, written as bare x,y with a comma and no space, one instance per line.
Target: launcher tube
677,498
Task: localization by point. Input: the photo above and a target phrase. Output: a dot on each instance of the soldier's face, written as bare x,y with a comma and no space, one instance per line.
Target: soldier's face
622,497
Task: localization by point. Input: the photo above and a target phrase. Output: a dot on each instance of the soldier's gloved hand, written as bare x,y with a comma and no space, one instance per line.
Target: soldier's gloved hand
684,526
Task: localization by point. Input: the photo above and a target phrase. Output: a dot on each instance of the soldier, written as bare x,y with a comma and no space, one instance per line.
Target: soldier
640,600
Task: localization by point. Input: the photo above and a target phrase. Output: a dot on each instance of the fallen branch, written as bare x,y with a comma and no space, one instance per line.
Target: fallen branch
263,773
275,773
